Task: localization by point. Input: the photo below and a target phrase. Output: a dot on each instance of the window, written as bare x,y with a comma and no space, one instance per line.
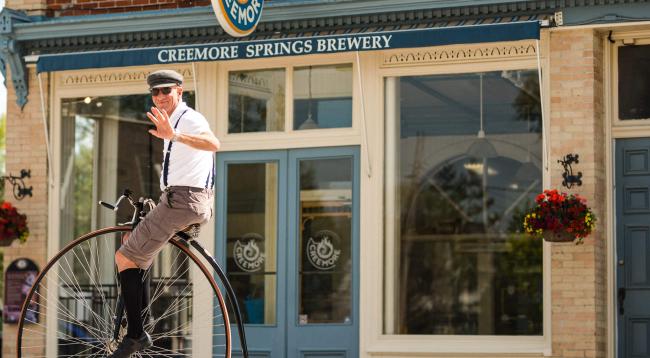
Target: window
464,159
322,97
256,101
634,82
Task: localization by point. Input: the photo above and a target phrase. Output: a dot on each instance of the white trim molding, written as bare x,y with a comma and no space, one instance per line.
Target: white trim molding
460,54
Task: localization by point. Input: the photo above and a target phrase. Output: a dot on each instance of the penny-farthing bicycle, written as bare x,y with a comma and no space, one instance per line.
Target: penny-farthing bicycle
74,308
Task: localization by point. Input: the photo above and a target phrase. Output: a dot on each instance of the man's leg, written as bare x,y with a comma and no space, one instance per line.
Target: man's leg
132,291
146,297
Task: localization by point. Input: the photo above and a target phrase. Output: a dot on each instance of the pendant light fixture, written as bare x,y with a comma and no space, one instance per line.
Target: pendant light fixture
481,148
309,123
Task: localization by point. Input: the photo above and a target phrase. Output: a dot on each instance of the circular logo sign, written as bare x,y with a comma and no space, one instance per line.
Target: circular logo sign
247,254
321,251
238,17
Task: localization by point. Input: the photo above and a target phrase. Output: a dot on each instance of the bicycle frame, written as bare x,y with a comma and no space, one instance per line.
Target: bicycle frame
230,293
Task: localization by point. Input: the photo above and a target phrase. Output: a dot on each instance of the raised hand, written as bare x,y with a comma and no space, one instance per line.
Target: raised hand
163,125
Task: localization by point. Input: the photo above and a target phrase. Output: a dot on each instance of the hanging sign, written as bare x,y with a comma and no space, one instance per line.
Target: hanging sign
19,278
238,17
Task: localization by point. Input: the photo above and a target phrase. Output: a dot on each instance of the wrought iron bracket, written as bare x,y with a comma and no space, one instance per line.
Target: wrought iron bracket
20,191
11,54
569,178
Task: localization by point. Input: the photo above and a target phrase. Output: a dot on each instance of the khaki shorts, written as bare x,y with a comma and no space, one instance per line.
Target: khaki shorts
179,206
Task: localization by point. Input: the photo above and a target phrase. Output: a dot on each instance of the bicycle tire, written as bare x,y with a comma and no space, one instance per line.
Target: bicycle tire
32,336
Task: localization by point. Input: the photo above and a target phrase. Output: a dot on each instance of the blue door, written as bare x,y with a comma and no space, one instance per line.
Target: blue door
288,234
633,247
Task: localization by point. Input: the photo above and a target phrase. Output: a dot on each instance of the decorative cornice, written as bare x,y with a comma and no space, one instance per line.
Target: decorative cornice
114,77
11,53
459,54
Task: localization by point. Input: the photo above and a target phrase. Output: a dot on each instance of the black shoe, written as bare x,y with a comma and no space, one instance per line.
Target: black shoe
130,345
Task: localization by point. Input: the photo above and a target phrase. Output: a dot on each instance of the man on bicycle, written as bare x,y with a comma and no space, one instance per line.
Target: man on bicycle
187,179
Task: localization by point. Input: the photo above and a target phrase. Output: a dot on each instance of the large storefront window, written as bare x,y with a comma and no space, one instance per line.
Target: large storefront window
464,159
634,82
106,148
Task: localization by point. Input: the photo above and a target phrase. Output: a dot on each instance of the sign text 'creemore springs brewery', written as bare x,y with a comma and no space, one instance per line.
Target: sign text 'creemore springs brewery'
275,48
238,17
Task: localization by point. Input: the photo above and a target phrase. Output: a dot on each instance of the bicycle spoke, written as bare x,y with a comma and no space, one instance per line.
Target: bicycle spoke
79,291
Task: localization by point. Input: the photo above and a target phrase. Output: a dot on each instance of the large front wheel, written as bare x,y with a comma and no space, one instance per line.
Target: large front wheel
71,307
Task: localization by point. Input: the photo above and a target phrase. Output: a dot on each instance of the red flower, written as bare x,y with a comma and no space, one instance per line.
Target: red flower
13,225
560,213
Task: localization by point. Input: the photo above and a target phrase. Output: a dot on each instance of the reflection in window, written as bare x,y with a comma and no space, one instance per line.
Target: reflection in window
634,82
463,164
251,227
256,101
322,97
325,274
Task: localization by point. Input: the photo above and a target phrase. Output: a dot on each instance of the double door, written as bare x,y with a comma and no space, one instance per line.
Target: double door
287,231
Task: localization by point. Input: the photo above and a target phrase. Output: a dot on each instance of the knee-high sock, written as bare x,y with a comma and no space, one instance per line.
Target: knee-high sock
131,282
146,296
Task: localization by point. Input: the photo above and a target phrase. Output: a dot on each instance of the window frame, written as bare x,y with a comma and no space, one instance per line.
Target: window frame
616,121
412,345
289,138
122,81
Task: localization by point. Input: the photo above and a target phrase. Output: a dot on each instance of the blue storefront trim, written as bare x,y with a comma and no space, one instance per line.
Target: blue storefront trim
298,46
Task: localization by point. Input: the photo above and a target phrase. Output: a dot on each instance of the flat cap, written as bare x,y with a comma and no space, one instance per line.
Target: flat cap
164,78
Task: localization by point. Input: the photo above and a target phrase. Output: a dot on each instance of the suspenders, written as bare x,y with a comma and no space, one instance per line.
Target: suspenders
209,181
168,152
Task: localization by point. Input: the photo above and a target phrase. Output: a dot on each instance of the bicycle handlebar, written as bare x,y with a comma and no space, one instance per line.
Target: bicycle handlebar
138,208
109,206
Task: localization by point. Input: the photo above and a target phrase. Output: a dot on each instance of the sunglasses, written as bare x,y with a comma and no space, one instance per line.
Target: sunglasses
164,90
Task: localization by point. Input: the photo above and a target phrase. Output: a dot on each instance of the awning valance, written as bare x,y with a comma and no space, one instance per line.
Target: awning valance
297,46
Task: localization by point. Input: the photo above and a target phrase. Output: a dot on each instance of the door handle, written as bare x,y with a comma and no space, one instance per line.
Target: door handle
621,300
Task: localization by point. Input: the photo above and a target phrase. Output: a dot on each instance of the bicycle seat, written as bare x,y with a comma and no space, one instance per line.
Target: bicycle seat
192,230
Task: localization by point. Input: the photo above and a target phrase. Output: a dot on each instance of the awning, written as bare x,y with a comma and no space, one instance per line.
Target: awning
296,46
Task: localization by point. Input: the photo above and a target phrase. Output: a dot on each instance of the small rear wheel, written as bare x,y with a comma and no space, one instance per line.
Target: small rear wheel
70,309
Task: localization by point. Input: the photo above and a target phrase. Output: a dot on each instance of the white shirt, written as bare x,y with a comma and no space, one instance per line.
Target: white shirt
188,166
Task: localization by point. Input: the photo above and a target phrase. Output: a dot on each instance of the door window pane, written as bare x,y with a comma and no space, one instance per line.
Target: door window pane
464,159
325,271
634,82
251,238
256,101
322,97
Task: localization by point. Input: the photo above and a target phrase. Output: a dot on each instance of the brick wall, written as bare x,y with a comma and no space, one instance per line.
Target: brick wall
579,312
92,7
31,7
26,149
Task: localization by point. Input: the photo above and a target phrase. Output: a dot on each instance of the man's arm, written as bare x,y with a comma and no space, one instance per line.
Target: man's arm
204,141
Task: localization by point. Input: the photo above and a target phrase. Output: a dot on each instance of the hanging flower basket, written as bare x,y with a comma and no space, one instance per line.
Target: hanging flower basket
553,236
13,225
560,217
